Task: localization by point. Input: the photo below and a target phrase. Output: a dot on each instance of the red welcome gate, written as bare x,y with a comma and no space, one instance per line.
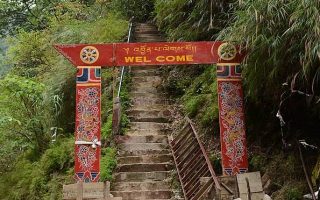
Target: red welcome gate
89,58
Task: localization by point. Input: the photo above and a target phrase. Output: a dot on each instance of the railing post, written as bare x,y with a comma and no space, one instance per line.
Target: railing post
232,119
88,124
116,116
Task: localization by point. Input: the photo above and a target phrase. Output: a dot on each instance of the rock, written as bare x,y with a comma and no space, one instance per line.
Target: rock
266,197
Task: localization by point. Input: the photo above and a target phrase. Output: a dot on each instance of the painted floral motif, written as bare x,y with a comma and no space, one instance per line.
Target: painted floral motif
87,157
88,113
232,126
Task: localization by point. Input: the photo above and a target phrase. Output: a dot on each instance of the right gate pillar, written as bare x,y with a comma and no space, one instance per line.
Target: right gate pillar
232,119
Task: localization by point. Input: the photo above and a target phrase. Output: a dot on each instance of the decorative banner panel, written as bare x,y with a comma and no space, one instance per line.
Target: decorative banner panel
159,53
88,55
88,124
231,117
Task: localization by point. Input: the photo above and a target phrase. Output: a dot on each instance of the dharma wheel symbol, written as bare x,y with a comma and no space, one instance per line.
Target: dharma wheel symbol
227,51
89,54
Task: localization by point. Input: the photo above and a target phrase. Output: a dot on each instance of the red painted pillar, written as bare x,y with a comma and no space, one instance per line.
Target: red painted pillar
88,124
232,119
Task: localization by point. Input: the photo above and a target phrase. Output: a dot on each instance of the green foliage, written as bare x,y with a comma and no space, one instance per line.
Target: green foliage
316,171
28,127
200,100
38,94
125,102
106,130
108,163
191,20
282,38
42,179
193,104
139,9
258,162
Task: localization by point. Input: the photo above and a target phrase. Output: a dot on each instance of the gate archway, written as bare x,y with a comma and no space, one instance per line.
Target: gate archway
89,58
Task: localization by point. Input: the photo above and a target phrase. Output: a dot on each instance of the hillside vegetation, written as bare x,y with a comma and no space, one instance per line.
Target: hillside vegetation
37,92
280,73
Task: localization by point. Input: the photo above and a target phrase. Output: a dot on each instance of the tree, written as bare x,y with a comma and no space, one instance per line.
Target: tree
24,120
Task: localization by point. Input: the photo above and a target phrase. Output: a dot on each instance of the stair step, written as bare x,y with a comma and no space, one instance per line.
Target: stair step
148,99
147,79
151,40
160,158
145,167
151,67
145,88
141,176
149,113
143,195
147,35
151,107
143,152
150,185
149,119
144,73
147,132
142,139
142,146
148,126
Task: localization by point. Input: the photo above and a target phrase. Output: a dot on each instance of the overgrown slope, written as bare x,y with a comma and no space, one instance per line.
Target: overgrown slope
37,97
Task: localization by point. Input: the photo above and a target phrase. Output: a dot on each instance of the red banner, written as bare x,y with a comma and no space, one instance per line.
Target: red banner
232,120
160,53
88,124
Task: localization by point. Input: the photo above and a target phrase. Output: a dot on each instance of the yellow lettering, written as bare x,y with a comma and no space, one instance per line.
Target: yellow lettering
170,58
138,59
181,58
146,60
189,58
129,59
160,59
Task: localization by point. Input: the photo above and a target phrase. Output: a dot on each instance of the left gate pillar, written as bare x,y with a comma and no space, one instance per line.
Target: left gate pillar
88,124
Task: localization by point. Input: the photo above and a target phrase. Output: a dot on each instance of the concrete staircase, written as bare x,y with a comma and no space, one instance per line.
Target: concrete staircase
145,160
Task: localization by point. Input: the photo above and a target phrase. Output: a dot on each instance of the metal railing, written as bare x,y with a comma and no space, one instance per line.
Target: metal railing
193,164
116,117
123,68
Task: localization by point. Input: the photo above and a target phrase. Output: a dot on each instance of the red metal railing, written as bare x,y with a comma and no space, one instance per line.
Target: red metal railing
192,164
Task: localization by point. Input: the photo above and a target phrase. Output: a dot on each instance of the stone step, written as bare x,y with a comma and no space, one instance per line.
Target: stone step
151,40
149,185
148,88
142,146
150,119
151,107
149,116
146,79
148,132
145,167
161,158
149,113
148,126
147,31
144,73
143,195
145,94
148,36
145,25
138,152
141,176
142,139
148,99
151,67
